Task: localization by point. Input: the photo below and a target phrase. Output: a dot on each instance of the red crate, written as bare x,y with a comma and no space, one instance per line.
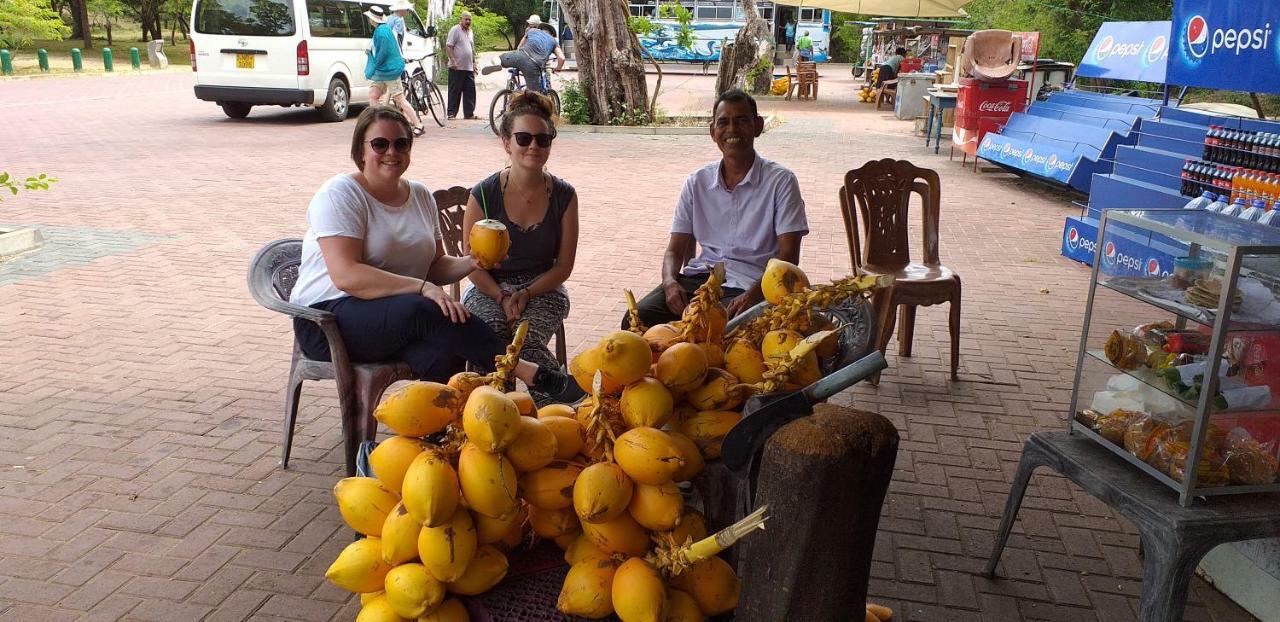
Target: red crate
911,65
991,99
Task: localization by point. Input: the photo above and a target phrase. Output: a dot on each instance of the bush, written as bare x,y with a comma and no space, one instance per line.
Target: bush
846,38
573,104
488,28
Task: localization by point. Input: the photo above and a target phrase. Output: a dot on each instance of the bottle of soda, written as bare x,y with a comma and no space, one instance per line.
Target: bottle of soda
1210,141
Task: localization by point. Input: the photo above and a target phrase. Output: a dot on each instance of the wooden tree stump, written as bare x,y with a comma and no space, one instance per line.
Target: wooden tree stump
824,478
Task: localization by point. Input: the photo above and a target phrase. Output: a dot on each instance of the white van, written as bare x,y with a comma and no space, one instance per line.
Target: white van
290,53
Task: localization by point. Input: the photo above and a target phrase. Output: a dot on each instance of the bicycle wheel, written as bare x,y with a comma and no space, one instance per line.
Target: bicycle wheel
415,93
555,99
498,109
435,101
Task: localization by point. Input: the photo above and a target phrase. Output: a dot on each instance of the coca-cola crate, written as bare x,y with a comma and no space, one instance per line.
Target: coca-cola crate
988,99
911,65
970,130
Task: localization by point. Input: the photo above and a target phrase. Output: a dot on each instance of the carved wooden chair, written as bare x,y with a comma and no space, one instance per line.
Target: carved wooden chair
452,203
807,77
272,275
882,190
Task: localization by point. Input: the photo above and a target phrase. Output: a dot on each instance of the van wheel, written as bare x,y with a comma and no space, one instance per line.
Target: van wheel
337,103
236,110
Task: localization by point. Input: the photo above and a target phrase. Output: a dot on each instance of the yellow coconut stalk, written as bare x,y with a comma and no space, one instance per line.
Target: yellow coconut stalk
800,364
377,609
451,610
488,482
588,589
551,487
601,422
431,489
491,530
601,493
692,454
568,434
504,365
490,419
657,508
682,367
400,536
359,567
648,456
699,319
364,503
446,550
793,310
419,408
535,445
552,524
412,591
392,457
625,356
638,592
633,314
646,403
681,607
675,558
782,278
486,569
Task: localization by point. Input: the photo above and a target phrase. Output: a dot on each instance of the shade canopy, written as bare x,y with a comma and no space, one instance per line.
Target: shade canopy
887,8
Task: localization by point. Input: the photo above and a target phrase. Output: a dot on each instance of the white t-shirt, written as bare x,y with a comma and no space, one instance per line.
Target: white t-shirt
401,240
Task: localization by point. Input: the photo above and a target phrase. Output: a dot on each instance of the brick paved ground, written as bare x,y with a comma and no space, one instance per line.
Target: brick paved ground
141,388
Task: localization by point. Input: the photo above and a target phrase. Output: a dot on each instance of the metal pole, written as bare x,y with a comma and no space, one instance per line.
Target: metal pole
77,61
6,62
43,56
108,62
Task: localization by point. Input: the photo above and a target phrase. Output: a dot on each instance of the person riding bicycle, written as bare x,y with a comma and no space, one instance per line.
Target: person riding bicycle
535,49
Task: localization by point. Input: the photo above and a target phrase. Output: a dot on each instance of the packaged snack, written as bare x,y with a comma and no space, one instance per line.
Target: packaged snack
1124,351
1113,426
1249,462
1141,434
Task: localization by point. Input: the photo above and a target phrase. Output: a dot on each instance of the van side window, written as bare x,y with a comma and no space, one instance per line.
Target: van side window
413,25
330,18
263,18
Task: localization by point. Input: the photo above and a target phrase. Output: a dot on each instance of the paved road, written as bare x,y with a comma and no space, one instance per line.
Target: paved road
140,387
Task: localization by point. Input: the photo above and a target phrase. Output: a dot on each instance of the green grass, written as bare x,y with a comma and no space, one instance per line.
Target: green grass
124,36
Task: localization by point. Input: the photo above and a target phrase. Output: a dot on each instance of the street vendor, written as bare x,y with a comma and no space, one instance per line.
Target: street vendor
889,68
741,211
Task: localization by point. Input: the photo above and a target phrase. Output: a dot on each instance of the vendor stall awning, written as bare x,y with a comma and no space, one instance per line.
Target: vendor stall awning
891,8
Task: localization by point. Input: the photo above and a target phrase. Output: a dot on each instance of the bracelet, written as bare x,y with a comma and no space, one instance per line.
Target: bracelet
422,290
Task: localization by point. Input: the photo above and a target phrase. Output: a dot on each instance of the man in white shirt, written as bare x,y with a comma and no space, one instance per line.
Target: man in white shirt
462,68
742,211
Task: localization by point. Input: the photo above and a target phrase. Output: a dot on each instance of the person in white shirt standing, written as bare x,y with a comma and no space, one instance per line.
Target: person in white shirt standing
742,211
461,45
399,9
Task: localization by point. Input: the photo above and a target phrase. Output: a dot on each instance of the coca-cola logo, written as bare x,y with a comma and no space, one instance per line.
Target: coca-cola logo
995,106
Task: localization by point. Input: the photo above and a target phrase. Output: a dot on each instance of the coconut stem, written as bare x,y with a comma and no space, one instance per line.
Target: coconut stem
505,364
633,313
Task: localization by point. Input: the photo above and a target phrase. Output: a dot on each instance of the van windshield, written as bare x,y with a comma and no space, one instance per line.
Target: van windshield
261,18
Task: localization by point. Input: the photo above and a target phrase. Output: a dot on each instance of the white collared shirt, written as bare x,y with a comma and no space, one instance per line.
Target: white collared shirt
739,227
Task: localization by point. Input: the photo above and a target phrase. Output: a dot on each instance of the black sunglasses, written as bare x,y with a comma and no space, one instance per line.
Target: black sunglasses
380,145
524,138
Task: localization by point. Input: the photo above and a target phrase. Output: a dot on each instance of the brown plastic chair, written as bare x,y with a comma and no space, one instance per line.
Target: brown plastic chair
887,93
452,203
991,55
792,82
807,75
882,189
272,275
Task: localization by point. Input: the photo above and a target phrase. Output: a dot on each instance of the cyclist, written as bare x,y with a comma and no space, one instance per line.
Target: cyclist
535,49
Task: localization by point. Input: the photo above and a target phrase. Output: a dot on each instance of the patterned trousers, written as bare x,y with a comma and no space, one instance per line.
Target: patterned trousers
545,313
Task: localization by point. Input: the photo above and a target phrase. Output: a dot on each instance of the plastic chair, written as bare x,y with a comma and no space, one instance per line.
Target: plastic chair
452,203
272,275
991,54
807,74
882,189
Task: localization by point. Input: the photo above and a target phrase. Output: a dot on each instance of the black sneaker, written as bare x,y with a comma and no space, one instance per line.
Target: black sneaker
562,388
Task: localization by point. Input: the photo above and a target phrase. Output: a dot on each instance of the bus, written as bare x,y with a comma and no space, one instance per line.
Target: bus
716,22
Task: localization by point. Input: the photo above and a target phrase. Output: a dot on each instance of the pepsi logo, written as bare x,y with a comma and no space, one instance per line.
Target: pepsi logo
1197,36
1153,267
1109,252
1159,48
1104,48
1073,238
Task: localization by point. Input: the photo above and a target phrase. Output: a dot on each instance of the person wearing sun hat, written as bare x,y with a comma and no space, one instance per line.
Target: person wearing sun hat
535,48
399,9
385,65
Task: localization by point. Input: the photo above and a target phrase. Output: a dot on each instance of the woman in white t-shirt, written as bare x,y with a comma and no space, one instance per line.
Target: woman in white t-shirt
373,257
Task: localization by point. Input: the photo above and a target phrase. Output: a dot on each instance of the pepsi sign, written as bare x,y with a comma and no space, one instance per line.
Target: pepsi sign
1226,45
1128,51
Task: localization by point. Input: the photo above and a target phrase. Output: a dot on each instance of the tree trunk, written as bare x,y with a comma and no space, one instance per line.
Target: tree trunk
109,41
745,51
610,68
80,22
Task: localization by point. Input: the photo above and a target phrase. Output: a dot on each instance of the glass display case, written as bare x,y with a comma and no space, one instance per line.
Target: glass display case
1183,368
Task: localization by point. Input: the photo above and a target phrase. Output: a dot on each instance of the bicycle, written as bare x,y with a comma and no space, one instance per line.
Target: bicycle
421,92
498,107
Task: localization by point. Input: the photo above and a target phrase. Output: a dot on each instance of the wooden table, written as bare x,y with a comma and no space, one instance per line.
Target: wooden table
1174,538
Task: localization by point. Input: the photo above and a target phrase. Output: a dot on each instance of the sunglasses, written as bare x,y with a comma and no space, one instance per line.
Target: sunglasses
380,145
524,138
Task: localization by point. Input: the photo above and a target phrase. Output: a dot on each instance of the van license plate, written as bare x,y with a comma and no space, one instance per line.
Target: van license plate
244,61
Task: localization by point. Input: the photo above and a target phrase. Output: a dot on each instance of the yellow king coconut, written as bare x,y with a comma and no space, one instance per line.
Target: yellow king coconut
490,419
368,596
639,594
419,408
446,550
657,508
708,428
534,447
661,337
364,503
486,569
556,410
782,278
744,361
489,242
491,530
359,567
601,493
581,548
717,392
681,607
488,481
451,610
412,591
715,354
464,382
648,456
692,527
392,457
693,461
625,356
552,524
583,368
430,489
551,487
682,367
400,536
712,583
646,403
377,609
778,343
620,536
568,433
524,403
588,589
